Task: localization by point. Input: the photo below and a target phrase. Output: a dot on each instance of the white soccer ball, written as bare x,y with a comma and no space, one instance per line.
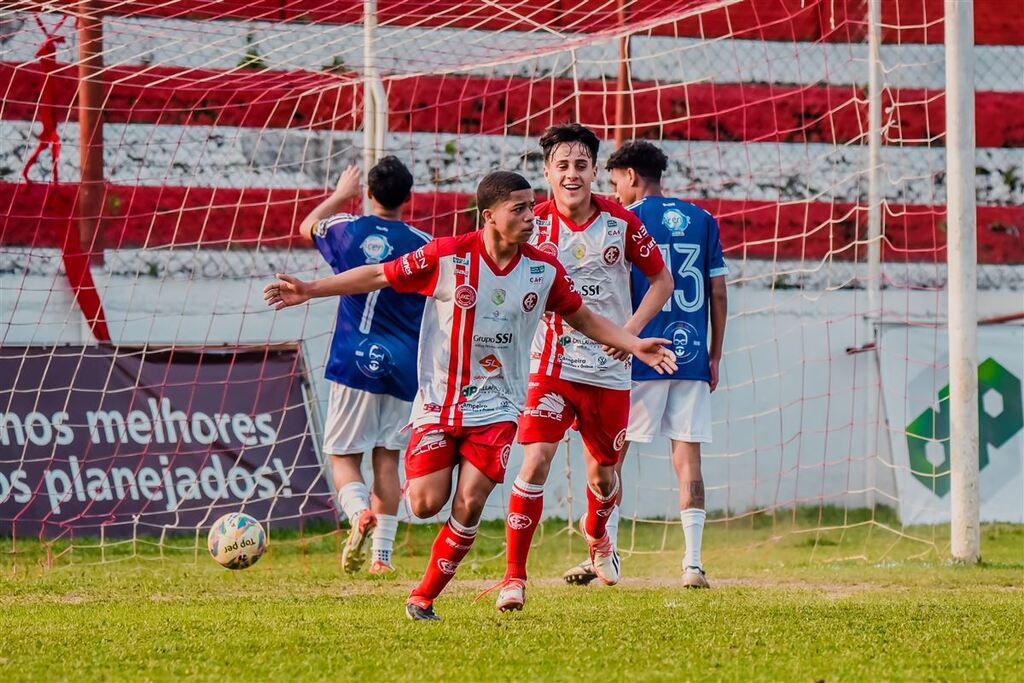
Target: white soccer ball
236,540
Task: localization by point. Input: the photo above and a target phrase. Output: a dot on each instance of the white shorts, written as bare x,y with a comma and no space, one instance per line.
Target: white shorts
677,408
358,421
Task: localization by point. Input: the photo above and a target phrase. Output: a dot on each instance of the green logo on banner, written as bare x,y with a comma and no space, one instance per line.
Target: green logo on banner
1000,417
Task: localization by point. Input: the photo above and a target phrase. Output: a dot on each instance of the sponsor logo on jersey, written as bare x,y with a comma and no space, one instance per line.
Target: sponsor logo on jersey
460,260
496,316
564,340
517,520
542,222
506,451
490,363
572,285
550,406
432,407
589,290
465,296
536,279
676,222
619,442
530,300
611,255
549,248
414,262
469,391
373,360
498,297
376,248
501,340
537,270
685,341
579,251
447,566
602,360
320,229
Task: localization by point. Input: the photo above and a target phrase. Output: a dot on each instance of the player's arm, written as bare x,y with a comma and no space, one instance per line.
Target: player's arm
290,291
719,314
659,292
348,188
651,351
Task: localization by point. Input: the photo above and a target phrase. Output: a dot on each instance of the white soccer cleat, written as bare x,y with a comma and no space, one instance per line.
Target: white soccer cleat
603,557
511,596
580,574
353,555
693,577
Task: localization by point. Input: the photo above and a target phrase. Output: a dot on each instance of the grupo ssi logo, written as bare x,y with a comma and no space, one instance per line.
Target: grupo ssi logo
1000,417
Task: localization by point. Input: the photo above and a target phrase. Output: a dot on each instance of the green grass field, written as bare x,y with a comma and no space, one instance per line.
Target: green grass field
788,603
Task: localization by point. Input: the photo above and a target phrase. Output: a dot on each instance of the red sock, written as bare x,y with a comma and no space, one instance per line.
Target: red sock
450,547
598,509
525,508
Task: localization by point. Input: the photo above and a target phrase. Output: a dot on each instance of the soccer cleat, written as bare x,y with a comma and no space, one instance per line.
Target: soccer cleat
381,568
603,557
511,596
353,555
581,574
420,609
693,577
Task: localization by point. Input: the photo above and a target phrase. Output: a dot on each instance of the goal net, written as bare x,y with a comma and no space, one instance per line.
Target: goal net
158,157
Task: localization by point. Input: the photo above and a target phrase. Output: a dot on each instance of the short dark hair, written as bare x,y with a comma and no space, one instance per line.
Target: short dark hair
390,182
646,159
496,188
569,132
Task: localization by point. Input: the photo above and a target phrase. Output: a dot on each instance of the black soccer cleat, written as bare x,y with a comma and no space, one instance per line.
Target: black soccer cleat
421,611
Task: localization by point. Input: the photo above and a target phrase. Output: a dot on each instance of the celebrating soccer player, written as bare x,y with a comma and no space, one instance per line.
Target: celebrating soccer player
574,379
489,290
677,407
372,362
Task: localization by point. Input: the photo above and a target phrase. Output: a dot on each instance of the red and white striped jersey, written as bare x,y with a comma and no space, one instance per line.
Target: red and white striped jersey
474,340
597,256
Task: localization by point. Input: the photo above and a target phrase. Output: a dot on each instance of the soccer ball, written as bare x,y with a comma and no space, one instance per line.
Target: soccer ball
236,540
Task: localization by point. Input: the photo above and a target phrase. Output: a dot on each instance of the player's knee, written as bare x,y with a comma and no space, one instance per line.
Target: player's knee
425,504
536,466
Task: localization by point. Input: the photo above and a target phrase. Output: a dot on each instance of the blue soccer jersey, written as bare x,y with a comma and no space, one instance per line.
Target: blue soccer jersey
376,335
688,238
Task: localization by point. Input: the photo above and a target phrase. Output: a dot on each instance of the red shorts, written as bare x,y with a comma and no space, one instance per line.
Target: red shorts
438,447
600,414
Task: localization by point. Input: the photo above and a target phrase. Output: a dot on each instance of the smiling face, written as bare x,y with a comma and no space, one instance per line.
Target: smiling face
570,171
512,218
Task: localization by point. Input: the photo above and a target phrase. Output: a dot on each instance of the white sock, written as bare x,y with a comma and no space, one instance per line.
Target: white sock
354,497
693,530
384,537
613,527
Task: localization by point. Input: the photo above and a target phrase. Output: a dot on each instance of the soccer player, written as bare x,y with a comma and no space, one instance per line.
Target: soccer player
489,290
372,361
574,379
678,406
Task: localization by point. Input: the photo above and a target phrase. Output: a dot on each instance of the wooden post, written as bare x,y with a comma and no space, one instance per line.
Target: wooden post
622,84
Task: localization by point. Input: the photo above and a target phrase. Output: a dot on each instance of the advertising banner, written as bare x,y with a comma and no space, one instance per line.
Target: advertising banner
138,440
915,386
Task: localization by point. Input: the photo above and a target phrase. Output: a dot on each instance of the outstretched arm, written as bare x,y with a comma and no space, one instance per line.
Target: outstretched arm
719,314
656,296
651,351
290,291
348,189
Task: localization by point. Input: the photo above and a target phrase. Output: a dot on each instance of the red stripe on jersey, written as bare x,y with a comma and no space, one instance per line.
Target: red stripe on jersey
548,353
469,320
451,392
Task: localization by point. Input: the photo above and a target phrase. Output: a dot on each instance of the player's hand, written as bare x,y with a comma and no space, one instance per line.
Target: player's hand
714,373
350,183
653,352
619,354
286,291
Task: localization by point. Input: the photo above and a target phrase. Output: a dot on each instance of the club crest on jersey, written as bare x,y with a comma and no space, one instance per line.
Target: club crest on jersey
376,248
465,296
373,360
498,297
620,441
549,248
685,342
530,300
490,363
676,221
517,520
611,255
579,251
